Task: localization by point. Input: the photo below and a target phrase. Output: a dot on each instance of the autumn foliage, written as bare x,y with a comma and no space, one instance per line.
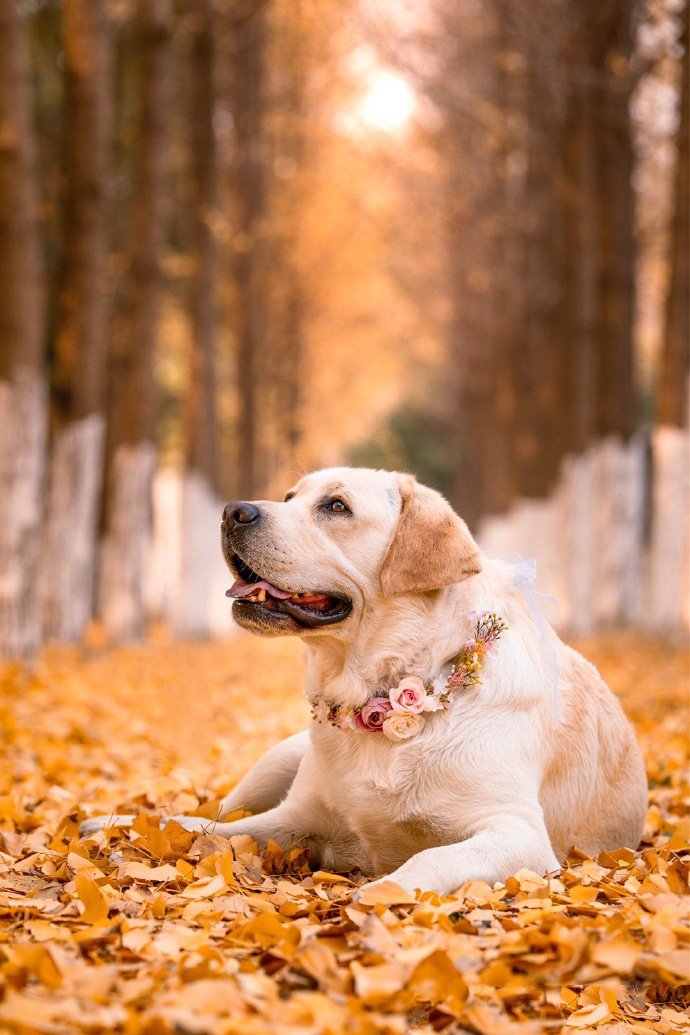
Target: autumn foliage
163,931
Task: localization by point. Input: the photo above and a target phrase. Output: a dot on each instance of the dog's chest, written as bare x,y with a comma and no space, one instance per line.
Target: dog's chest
384,798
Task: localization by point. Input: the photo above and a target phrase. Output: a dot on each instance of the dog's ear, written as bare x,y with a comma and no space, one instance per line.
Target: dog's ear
431,547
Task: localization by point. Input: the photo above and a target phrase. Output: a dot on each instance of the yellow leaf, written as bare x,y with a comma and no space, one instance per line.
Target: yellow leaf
38,961
619,954
184,870
207,887
225,865
243,844
387,893
95,902
435,980
158,907
156,874
323,877
673,966
373,985
584,893
588,1016
212,810
569,998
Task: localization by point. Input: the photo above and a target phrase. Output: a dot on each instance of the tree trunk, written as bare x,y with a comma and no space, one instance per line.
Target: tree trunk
675,360
22,391
200,562
616,411
669,551
479,331
132,423
132,417
82,329
202,421
248,111
580,271
21,274
68,557
536,339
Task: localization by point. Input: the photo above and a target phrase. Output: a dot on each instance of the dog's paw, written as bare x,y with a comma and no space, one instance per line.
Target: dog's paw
195,824
92,826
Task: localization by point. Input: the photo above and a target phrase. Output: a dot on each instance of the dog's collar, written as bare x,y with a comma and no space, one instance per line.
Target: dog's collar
400,714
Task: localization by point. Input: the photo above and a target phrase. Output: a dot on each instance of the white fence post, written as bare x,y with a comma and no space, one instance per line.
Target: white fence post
587,535
23,431
126,546
200,607
668,597
66,575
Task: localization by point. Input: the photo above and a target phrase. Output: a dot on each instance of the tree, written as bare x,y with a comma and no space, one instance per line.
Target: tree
81,341
133,403
78,389
132,415
22,396
201,415
21,269
248,110
675,361
610,61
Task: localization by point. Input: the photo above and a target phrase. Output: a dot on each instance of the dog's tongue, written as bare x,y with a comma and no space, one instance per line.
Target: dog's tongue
240,588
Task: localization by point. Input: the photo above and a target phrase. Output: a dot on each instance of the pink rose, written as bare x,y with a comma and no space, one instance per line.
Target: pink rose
409,695
373,714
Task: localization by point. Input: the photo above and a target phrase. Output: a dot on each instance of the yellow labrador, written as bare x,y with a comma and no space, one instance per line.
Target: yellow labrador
528,754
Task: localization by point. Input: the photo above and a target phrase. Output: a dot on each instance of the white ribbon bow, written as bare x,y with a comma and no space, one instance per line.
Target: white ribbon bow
525,579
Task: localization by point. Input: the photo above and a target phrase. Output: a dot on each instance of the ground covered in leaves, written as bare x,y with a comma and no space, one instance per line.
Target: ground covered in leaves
167,932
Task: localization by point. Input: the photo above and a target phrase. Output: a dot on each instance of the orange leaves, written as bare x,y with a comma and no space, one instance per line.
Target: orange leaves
95,902
436,980
169,843
153,931
27,961
387,893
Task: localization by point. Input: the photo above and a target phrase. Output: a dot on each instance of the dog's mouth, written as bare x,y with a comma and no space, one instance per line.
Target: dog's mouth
256,597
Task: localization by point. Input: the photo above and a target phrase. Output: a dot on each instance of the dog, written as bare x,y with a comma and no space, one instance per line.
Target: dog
502,760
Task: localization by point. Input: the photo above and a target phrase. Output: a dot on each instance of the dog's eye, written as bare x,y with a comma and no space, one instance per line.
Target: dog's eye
289,496
336,506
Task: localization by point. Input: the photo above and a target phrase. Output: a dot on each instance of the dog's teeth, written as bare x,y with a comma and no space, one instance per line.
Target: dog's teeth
261,596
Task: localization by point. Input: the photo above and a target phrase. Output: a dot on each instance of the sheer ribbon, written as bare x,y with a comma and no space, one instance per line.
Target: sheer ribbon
525,579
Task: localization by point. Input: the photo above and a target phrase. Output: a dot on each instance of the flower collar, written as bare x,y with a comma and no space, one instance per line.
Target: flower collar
400,715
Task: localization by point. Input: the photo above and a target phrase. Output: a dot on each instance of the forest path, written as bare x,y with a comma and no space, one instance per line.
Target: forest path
156,933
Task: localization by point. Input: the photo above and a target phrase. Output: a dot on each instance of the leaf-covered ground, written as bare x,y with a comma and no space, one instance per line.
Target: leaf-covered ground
166,932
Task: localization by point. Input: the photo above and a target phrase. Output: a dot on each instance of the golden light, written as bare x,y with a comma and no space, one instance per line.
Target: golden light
382,100
388,104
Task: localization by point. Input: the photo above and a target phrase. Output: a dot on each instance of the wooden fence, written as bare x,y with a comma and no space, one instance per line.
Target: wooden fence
612,542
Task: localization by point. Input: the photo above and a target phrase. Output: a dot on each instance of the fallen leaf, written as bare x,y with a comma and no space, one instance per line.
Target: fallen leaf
95,902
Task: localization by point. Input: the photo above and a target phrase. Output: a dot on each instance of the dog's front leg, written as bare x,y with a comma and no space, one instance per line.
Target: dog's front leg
492,854
277,824
331,846
267,782
263,787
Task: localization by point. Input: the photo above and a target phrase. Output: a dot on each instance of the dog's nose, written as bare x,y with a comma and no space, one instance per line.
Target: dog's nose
240,514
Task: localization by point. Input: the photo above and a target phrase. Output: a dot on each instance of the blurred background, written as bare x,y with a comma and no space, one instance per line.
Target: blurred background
240,239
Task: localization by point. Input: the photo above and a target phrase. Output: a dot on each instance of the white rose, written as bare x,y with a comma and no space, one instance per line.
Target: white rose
403,725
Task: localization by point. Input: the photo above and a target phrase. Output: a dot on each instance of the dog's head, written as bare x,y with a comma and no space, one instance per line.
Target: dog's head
343,540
